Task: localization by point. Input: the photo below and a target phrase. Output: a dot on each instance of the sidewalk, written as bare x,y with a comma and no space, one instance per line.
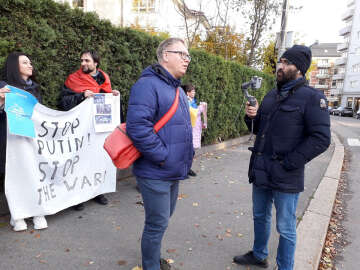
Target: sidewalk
212,222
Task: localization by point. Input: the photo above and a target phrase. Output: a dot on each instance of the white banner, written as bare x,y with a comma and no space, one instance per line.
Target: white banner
64,165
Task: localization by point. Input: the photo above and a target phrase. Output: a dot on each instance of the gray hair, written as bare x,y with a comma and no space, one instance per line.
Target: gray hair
164,45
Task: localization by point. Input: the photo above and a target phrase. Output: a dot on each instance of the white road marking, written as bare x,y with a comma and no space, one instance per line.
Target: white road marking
353,142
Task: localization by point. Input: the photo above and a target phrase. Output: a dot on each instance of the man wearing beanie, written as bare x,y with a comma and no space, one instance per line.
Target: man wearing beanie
292,126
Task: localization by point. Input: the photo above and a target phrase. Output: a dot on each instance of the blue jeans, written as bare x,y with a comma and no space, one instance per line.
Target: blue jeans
285,205
159,198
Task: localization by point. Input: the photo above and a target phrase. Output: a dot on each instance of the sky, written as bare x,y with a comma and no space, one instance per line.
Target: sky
317,20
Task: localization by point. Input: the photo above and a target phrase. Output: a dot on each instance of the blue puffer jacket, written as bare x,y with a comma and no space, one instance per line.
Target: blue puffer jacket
291,130
168,154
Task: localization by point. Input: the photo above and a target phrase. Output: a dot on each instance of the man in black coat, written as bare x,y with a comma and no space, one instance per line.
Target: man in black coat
292,126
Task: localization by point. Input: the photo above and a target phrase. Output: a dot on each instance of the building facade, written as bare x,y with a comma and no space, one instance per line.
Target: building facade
347,79
324,56
158,15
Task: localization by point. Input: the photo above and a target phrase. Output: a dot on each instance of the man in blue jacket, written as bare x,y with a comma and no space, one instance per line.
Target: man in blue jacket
292,126
166,156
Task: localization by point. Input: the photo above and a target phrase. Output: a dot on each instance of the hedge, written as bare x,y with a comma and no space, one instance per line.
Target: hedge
54,35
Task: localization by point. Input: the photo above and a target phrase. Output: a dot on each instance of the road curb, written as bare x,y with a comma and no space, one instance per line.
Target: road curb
312,229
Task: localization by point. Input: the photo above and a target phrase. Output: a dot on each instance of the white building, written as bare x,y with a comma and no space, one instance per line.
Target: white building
159,15
348,67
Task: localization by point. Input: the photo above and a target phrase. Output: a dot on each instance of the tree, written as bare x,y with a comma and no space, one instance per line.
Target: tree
269,58
224,42
150,30
193,20
259,15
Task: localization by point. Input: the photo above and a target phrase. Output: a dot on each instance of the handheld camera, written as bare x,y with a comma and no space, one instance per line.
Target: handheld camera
255,83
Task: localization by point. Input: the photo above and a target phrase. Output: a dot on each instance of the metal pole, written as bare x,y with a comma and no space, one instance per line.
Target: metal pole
285,9
122,13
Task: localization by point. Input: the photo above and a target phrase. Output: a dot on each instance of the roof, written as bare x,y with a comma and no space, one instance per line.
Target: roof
324,50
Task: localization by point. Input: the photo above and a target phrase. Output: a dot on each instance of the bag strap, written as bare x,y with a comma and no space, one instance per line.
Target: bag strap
169,114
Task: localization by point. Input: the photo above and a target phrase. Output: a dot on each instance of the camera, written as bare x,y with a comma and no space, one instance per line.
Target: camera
255,83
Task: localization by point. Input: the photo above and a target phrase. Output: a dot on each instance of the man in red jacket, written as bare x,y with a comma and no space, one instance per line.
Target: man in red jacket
84,83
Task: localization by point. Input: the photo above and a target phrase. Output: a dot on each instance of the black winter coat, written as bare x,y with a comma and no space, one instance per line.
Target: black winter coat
290,131
32,89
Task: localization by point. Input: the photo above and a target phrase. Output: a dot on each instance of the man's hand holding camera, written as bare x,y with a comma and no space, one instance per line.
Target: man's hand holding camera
251,111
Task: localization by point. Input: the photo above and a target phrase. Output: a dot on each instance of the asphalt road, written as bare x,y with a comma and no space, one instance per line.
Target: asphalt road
348,130
212,223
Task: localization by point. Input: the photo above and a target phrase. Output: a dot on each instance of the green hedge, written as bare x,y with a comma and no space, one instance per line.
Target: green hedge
54,35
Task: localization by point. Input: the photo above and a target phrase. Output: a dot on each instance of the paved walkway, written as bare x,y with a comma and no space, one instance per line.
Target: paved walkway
212,223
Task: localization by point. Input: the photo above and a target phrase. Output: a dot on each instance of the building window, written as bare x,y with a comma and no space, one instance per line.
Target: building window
354,84
333,83
78,3
143,5
357,51
349,102
355,68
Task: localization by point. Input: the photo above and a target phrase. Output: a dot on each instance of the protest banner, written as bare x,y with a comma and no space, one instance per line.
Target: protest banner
63,165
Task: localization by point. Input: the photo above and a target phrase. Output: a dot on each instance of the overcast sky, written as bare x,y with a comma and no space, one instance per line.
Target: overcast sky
317,20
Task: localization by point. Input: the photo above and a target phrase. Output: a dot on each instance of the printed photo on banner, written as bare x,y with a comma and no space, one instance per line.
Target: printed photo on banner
64,164
105,118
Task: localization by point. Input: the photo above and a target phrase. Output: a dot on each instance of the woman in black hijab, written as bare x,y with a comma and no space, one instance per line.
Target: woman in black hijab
19,72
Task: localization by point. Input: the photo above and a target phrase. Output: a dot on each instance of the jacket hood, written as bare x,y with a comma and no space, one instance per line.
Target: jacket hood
160,72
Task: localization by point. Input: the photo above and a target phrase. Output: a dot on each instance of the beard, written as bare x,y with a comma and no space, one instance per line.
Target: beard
285,77
87,70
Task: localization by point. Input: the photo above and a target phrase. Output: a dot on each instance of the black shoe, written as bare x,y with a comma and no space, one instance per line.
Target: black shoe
137,188
249,259
79,207
192,173
164,265
101,199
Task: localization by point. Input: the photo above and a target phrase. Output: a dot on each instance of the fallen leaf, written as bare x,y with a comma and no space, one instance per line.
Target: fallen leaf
90,262
137,268
170,261
122,262
140,203
204,236
171,250
118,228
67,250
38,256
239,235
195,204
228,230
37,235
43,261
219,237
197,225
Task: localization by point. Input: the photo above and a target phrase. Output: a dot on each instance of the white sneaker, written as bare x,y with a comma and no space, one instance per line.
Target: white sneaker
40,223
18,225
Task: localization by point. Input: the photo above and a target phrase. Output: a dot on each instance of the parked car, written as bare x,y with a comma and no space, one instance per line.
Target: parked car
343,111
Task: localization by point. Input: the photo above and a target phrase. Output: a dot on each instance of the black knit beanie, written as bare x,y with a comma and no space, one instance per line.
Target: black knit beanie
300,56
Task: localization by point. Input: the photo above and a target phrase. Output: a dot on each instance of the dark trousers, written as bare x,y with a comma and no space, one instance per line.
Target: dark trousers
159,198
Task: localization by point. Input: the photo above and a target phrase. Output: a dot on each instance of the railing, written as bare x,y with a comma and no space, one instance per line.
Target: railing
348,14
321,86
322,76
339,76
323,65
343,46
341,61
345,30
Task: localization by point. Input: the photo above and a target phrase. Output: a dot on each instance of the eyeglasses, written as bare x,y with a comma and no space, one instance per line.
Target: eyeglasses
285,62
183,55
